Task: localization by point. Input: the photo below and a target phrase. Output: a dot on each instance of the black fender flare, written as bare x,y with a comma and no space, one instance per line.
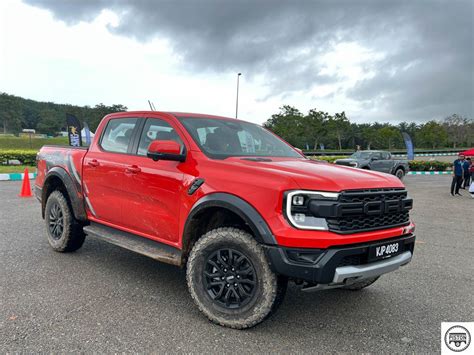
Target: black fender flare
75,197
243,209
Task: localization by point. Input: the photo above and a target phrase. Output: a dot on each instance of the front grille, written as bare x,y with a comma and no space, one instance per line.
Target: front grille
350,260
372,195
372,209
367,223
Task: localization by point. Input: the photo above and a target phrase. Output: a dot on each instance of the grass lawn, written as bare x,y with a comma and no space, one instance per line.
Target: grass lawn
24,142
6,169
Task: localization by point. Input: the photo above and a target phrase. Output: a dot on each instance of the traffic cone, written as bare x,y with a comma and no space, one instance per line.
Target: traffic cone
25,187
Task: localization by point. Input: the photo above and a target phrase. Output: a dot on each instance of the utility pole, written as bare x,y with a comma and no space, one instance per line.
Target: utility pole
237,98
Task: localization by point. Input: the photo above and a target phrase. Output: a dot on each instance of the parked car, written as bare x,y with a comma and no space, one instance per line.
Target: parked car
377,160
238,207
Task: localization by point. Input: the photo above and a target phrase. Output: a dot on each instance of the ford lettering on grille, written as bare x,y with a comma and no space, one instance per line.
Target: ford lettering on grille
367,210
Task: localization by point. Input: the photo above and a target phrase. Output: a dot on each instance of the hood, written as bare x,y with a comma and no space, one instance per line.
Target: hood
345,161
313,175
348,160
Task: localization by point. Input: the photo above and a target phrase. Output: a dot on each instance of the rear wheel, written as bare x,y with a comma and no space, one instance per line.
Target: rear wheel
64,233
362,284
400,173
230,280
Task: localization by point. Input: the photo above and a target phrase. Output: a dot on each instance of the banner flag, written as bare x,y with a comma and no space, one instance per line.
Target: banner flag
87,132
73,130
409,145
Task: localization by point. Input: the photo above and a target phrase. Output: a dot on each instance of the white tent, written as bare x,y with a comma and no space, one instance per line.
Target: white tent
83,134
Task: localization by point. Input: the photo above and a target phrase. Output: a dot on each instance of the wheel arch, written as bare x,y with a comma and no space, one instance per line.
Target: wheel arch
214,210
59,179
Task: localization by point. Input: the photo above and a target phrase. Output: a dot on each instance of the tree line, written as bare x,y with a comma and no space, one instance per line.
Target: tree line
315,129
306,131
17,113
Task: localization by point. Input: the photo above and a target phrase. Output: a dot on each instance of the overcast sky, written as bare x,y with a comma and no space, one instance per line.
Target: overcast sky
377,60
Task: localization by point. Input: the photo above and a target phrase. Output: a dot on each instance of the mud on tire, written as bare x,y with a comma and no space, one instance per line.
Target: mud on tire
64,233
230,280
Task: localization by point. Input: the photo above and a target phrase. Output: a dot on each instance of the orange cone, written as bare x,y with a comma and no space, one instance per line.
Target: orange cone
25,187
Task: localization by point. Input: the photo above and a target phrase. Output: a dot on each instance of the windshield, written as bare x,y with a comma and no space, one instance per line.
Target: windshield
361,155
221,139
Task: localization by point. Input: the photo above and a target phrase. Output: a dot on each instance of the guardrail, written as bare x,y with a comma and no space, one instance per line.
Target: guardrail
396,153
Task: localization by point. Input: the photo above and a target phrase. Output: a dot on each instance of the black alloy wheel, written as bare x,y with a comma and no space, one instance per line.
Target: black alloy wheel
56,221
64,232
230,278
400,174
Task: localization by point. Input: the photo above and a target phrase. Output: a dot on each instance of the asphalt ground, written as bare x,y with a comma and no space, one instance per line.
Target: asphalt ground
106,299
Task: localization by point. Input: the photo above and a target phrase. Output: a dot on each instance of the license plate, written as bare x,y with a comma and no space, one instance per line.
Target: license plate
382,251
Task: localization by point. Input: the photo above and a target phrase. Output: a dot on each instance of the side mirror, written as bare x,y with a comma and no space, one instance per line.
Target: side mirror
299,150
166,150
374,158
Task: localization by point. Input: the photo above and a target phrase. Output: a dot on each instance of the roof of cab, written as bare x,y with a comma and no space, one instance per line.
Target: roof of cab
173,113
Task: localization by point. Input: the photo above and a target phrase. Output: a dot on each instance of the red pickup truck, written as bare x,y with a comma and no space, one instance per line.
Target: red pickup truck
240,208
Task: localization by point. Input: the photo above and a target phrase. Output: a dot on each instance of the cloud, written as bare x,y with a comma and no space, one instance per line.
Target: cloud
421,52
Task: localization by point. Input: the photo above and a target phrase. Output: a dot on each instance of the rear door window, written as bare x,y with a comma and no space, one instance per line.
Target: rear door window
118,134
377,155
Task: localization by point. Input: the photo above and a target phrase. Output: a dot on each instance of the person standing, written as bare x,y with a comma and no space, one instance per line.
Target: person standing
458,174
471,171
467,173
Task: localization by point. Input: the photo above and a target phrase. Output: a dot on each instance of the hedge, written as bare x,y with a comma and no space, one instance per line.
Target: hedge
27,157
421,165
415,165
329,159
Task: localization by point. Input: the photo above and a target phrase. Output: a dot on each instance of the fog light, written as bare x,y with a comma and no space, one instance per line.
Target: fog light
300,217
298,200
409,230
310,257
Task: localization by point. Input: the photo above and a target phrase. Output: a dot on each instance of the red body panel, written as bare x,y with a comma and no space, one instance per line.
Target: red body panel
152,200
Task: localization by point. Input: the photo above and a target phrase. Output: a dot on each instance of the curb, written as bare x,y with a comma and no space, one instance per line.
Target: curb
15,176
430,173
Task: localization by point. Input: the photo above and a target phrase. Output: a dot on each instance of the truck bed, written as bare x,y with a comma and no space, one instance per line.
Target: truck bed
62,157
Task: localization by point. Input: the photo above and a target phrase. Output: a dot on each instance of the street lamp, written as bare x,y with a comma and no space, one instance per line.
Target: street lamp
237,98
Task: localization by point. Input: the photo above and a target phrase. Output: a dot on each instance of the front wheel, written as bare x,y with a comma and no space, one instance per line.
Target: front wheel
230,280
399,173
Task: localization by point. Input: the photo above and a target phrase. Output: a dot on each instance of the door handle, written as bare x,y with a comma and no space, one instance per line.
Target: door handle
133,169
93,163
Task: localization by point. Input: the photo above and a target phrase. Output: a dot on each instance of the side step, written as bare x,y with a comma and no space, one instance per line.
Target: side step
140,245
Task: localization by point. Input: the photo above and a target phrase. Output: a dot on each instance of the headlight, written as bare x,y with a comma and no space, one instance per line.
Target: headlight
297,208
354,164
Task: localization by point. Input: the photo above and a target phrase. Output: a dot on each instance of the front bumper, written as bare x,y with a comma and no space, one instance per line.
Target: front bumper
337,267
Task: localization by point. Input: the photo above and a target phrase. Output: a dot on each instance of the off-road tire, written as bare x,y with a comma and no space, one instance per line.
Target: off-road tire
267,294
400,173
71,236
362,284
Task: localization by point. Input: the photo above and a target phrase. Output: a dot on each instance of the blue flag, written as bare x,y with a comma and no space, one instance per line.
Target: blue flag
409,145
